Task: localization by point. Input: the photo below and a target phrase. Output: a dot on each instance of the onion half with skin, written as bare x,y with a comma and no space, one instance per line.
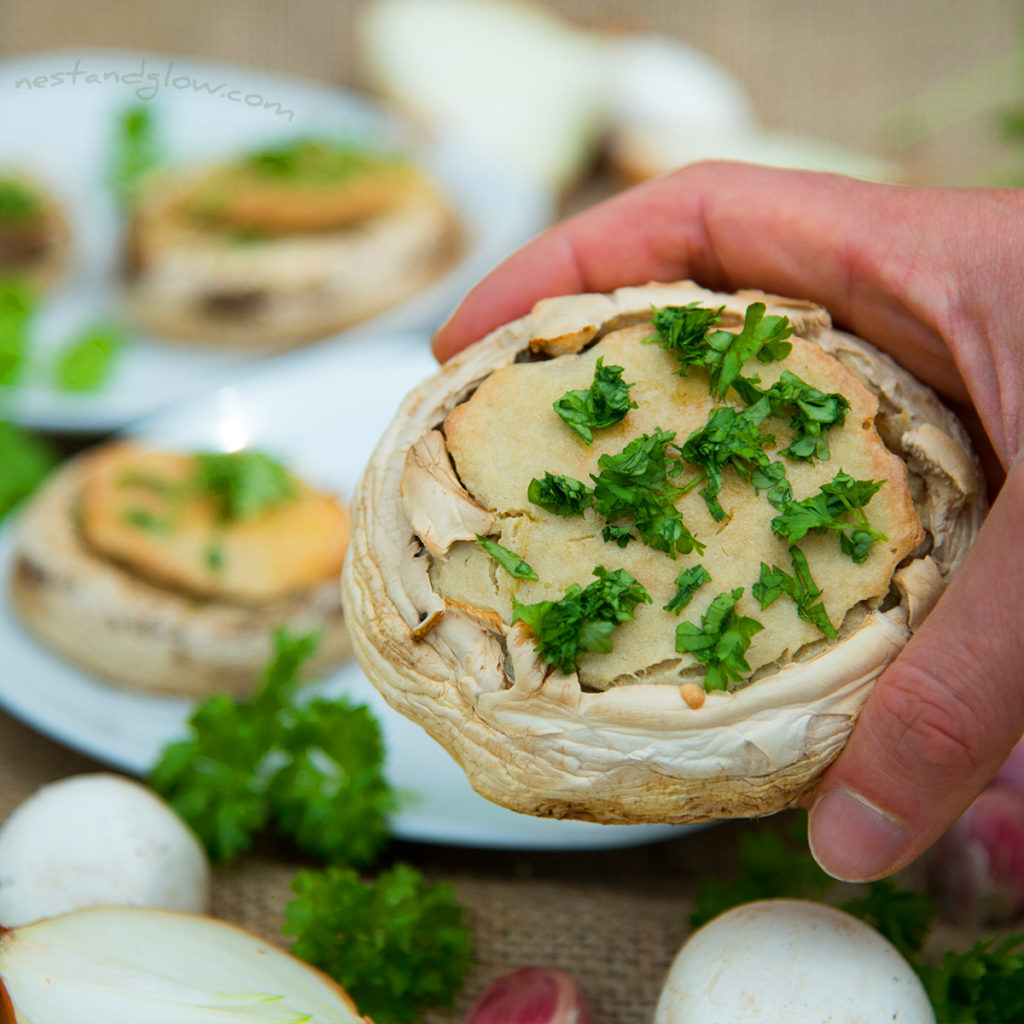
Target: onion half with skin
541,742
127,965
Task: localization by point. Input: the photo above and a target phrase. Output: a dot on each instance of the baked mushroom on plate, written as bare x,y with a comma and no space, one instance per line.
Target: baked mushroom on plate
33,232
169,572
639,557
284,245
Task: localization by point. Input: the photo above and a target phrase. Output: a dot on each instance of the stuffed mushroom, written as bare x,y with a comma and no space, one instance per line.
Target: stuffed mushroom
639,557
33,233
169,572
284,245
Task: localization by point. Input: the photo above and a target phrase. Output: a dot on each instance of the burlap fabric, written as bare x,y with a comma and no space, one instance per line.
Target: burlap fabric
854,73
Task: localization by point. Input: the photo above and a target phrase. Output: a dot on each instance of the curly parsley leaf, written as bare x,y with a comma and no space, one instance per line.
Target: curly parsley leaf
313,769
831,509
720,641
560,495
800,586
582,620
396,945
329,795
687,584
732,437
632,491
980,986
769,868
508,560
903,916
242,484
603,404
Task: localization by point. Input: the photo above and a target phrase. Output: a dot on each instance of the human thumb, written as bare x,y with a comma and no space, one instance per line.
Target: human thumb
941,719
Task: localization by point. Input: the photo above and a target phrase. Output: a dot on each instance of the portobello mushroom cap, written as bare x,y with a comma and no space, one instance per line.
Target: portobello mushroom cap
139,626
631,736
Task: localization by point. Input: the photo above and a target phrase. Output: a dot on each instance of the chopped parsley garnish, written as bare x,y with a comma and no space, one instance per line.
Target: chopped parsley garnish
17,306
720,641
583,619
603,404
682,330
87,363
721,353
314,161
18,202
136,151
242,484
831,509
397,945
560,495
687,584
632,492
800,586
312,767
811,412
144,519
733,437
508,560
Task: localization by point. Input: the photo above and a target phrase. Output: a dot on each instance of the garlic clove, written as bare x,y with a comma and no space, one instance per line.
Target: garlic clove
978,868
531,995
129,965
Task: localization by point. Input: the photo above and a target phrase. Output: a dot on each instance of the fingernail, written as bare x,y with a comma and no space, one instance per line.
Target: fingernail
853,839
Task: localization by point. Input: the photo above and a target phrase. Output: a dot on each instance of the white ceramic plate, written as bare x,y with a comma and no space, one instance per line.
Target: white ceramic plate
321,411
58,127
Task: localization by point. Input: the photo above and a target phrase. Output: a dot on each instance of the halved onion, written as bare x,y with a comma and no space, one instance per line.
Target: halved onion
129,965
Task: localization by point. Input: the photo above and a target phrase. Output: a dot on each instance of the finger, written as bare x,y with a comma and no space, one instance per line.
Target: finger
941,719
840,242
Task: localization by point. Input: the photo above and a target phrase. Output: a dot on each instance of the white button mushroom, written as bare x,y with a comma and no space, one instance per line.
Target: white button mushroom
792,961
97,839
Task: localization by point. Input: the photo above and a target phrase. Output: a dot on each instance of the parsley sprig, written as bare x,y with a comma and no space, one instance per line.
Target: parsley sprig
397,945
312,767
720,641
833,508
603,404
800,586
582,620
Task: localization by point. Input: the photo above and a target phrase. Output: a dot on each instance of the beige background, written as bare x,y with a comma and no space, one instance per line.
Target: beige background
858,72
843,71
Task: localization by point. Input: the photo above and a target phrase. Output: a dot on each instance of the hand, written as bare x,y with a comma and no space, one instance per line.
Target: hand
932,276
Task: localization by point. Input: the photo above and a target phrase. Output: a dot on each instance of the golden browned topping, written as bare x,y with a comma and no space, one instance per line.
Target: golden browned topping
241,530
